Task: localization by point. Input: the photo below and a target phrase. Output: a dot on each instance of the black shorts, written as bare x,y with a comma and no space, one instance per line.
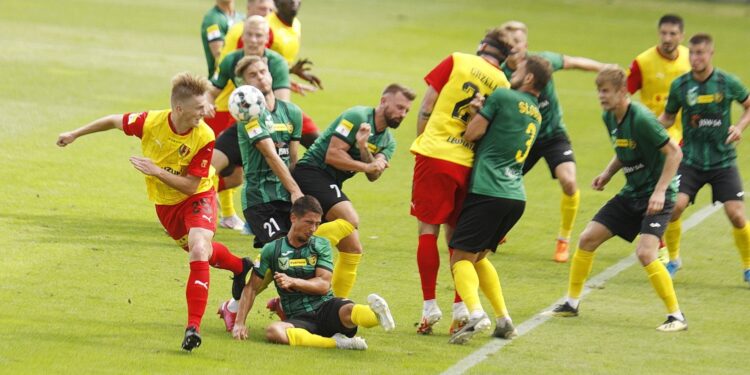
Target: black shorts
484,221
318,183
624,217
324,321
555,151
268,221
228,142
726,183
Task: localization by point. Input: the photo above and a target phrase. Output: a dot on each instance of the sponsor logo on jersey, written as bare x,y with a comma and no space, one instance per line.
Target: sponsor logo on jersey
298,262
692,96
632,168
285,128
625,143
253,128
344,128
213,32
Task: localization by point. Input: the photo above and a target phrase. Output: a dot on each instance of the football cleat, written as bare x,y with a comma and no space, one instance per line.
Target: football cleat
673,324
460,318
228,316
349,343
473,327
429,319
561,250
504,329
274,305
239,279
673,266
192,339
232,222
380,307
564,310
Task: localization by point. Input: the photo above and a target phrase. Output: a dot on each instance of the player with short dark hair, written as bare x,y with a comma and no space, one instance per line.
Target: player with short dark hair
301,265
507,126
552,142
704,97
177,147
357,141
649,160
443,158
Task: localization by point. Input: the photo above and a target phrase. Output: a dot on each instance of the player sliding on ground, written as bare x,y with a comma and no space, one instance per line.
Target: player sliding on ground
301,265
177,147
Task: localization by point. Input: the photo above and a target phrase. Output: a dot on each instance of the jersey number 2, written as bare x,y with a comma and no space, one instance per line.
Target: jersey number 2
271,226
461,109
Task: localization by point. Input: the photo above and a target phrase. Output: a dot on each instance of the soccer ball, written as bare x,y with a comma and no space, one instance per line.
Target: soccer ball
246,102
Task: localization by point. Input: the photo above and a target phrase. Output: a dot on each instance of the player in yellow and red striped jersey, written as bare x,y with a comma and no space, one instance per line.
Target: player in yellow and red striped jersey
177,147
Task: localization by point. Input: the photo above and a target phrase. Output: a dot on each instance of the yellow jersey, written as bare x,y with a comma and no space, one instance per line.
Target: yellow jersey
457,79
652,74
179,154
285,39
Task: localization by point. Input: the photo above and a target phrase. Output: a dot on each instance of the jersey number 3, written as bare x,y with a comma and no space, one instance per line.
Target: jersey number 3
521,155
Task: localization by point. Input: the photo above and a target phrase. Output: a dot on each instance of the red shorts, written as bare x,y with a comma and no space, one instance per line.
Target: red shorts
219,122
198,211
308,125
438,190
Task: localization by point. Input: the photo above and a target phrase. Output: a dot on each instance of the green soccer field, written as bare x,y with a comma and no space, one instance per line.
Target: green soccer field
90,283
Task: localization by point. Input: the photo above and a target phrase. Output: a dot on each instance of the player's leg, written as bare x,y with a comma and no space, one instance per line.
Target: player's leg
569,202
673,234
459,310
727,188
375,313
225,158
335,231
350,250
428,264
196,291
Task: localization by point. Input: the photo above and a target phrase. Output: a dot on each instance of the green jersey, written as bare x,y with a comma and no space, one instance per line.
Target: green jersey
214,27
276,65
514,120
345,127
549,105
637,141
283,125
706,111
301,263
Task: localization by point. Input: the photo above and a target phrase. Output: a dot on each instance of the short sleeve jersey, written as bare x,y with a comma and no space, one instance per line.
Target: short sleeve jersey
549,104
214,27
225,79
280,256
345,127
706,117
457,79
178,154
282,126
514,120
637,141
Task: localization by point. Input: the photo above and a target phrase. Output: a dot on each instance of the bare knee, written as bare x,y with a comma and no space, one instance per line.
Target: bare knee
736,214
276,333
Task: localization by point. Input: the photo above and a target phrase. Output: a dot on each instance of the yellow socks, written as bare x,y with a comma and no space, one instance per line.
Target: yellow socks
568,210
489,282
363,316
226,200
345,273
335,231
662,283
742,240
580,268
467,284
672,237
301,337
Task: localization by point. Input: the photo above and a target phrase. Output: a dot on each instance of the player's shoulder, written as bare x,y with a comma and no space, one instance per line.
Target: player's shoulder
273,56
649,53
357,113
289,106
681,80
319,244
204,132
641,113
213,15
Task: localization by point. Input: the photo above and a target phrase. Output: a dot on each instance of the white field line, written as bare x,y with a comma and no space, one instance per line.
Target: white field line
495,345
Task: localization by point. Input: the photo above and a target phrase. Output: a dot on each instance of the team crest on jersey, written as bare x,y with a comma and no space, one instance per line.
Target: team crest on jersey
312,260
132,117
718,97
183,151
284,263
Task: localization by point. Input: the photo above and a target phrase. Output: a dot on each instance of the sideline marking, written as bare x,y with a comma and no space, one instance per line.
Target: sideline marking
495,345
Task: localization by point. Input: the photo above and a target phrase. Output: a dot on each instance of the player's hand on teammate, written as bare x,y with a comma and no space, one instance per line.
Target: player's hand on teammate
600,182
655,203
65,139
239,332
302,69
145,165
363,134
735,134
283,281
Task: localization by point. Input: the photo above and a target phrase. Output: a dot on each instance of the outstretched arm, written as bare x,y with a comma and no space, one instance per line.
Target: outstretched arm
582,63
103,124
247,300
